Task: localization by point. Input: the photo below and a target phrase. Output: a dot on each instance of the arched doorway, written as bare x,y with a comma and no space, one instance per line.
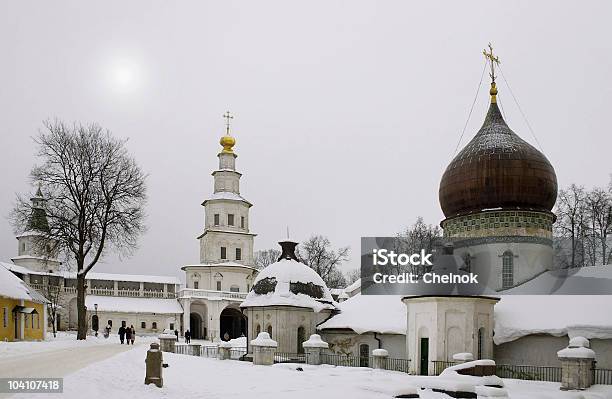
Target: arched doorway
232,322
301,337
195,323
364,355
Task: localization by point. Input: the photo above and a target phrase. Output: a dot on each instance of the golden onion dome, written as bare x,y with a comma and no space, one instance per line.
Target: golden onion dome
227,142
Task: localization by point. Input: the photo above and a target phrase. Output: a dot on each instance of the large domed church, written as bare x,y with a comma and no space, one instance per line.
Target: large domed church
497,196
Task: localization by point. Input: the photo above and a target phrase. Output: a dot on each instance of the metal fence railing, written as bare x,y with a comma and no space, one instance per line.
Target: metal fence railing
402,365
528,372
286,357
440,365
336,359
519,372
602,376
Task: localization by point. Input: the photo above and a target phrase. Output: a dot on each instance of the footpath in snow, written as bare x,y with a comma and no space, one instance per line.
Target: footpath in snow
122,376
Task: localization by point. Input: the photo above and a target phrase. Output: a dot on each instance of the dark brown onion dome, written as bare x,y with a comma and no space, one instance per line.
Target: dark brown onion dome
497,169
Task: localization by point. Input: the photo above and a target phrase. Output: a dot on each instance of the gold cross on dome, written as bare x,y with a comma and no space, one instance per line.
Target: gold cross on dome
493,60
228,118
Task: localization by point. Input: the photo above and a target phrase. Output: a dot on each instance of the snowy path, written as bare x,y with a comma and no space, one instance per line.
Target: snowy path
57,363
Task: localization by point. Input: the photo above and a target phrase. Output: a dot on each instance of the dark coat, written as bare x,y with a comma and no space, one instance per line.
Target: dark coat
122,331
128,333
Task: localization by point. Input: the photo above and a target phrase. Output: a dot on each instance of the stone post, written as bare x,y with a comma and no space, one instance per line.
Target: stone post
263,349
223,352
154,363
379,358
313,349
167,342
576,364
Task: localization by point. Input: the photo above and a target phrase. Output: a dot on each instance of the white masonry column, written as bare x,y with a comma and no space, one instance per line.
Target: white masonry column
186,314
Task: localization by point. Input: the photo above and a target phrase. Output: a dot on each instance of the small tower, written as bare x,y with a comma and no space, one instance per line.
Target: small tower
35,250
226,236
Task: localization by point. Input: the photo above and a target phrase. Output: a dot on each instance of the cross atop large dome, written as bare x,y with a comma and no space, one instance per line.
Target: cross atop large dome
497,170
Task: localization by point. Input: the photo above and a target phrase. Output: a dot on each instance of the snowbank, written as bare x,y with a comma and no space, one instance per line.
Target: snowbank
384,314
189,377
574,315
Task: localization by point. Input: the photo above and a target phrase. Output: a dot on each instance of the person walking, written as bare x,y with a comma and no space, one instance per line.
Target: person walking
187,337
176,333
122,333
128,335
133,333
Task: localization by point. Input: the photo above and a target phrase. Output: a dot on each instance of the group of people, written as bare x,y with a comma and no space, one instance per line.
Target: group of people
127,334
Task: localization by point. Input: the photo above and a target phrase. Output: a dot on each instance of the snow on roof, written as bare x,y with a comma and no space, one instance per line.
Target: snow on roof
98,276
226,195
285,272
220,264
131,277
574,315
384,314
587,280
13,287
133,305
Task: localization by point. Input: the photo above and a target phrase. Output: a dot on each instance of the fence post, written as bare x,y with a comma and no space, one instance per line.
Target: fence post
313,348
576,364
167,342
223,352
263,349
380,358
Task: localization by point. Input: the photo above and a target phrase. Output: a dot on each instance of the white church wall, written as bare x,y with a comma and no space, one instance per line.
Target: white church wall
451,325
530,259
211,243
349,342
284,322
162,321
229,277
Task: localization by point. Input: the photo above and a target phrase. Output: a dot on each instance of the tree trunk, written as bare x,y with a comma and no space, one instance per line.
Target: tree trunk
81,309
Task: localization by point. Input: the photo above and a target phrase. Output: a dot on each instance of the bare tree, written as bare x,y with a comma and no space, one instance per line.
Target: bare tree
419,236
600,214
53,291
317,252
96,195
571,221
352,275
266,257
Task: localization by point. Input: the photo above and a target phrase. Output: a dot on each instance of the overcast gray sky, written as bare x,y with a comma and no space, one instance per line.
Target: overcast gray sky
358,104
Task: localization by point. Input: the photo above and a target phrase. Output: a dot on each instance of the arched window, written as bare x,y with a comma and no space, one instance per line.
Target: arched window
270,330
507,270
257,329
301,337
481,337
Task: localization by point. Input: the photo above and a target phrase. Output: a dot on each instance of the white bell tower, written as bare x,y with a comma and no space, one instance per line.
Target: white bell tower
226,236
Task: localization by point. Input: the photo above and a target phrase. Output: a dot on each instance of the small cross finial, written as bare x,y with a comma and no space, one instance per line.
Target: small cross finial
493,60
228,118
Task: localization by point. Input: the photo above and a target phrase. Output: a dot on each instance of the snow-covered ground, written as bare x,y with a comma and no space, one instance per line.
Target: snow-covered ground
62,341
122,376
